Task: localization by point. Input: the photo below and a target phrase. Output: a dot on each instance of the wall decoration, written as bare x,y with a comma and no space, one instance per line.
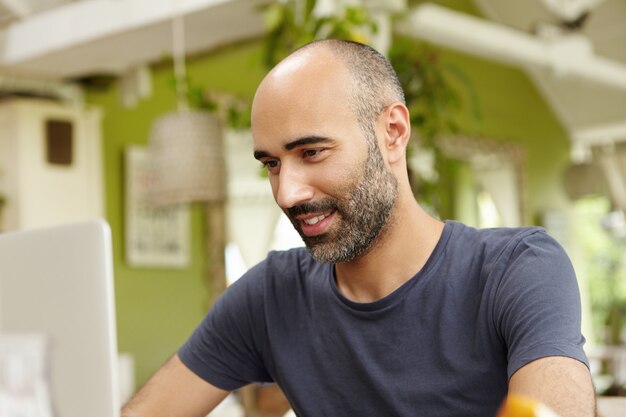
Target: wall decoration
155,236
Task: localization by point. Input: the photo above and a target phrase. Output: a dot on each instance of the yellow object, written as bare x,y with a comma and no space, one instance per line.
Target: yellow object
520,406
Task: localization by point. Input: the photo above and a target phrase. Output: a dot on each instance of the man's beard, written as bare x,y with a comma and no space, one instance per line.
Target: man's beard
363,209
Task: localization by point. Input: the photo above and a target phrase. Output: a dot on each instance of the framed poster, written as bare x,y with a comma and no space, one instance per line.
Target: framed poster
155,236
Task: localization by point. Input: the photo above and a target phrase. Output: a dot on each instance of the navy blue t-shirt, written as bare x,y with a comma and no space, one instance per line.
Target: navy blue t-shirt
445,343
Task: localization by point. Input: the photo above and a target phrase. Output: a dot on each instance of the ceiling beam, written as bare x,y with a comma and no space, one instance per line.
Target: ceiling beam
75,23
567,55
604,134
19,8
104,36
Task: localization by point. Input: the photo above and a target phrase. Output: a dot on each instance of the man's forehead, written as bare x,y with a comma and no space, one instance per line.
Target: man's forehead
290,66
302,96
309,67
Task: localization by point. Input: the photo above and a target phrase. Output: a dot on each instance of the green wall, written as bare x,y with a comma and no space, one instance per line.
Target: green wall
513,110
158,309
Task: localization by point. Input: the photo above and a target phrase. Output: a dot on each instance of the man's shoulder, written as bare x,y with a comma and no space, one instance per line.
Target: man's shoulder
495,238
291,261
284,267
498,248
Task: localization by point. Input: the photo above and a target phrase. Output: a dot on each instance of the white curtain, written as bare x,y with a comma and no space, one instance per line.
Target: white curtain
252,212
499,178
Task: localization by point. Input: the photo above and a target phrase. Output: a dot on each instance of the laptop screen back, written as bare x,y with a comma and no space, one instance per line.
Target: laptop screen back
59,282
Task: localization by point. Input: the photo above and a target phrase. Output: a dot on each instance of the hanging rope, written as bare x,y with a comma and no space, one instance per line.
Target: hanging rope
178,50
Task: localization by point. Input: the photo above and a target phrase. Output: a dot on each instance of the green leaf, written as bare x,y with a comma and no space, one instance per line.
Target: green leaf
274,16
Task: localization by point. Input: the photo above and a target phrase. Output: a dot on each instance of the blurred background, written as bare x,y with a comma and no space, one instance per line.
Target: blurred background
137,111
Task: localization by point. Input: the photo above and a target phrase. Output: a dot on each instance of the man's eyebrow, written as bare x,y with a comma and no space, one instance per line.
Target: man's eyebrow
307,140
260,154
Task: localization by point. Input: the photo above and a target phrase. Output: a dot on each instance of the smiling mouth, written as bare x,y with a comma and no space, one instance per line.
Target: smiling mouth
314,220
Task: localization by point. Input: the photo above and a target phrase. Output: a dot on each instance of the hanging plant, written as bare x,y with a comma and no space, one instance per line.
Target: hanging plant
293,23
233,111
433,103
3,201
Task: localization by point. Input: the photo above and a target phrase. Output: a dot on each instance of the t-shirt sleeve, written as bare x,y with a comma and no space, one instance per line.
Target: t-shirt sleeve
226,348
538,303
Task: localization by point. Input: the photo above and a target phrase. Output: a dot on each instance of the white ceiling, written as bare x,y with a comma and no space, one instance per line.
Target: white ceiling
591,112
12,10
65,39
86,37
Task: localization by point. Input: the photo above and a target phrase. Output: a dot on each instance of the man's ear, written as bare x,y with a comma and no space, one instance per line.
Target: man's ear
398,131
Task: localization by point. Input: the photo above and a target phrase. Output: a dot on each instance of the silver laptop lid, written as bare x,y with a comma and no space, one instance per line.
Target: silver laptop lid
58,281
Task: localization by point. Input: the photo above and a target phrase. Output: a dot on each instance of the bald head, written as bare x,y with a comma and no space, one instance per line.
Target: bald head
367,80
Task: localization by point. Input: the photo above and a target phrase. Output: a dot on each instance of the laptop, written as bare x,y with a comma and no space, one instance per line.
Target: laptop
58,282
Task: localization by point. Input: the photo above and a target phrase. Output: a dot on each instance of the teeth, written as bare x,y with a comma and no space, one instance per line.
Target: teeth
315,220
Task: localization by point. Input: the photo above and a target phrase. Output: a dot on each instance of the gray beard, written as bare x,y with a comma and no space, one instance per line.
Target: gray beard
362,218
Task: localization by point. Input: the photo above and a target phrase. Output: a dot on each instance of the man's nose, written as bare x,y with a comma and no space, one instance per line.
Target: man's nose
292,188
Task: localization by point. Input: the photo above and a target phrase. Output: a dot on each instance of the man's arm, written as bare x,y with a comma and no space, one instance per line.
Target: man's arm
174,390
563,384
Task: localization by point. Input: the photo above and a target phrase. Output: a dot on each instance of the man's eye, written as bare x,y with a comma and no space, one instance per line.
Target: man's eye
270,164
310,153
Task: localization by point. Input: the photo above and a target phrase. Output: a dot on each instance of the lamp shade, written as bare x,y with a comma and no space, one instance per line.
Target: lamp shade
583,180
187,159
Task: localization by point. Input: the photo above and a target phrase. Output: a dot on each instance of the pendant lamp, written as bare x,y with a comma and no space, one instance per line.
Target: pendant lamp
187,158
188,164
186,148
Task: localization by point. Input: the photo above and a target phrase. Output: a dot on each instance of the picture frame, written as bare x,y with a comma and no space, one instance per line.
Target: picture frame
154,236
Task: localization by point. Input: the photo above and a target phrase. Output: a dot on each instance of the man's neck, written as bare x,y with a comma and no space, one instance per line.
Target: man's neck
395,258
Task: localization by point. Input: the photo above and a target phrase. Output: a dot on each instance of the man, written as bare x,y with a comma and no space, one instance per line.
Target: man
389,312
